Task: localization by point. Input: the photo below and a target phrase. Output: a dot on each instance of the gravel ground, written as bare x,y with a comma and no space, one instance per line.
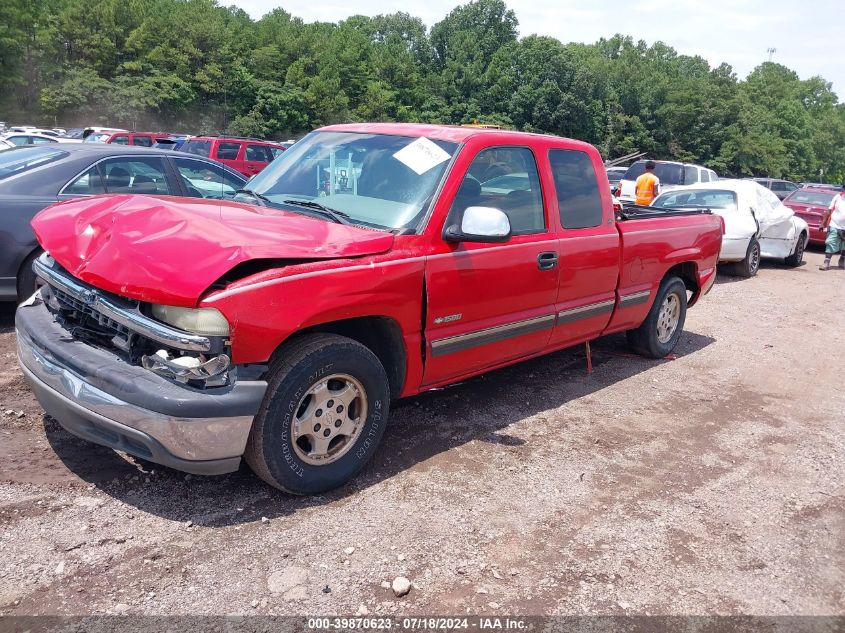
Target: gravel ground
709,484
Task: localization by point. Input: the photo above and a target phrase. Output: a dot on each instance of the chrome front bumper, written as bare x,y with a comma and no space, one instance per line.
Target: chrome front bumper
99,397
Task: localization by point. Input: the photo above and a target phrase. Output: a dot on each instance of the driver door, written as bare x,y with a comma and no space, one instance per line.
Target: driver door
489,303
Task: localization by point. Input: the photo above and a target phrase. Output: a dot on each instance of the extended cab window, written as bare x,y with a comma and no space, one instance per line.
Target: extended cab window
505,178
577,189
228,151
135,175
206,180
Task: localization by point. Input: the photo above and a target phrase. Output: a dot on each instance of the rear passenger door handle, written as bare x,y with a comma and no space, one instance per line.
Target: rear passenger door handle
547,260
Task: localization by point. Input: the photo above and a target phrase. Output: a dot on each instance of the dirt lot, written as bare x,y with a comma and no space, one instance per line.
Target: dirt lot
713,483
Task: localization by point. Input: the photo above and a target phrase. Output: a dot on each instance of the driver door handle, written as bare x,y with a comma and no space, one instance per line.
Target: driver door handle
547,260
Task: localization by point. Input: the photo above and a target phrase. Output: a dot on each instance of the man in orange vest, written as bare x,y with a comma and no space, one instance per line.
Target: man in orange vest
648,185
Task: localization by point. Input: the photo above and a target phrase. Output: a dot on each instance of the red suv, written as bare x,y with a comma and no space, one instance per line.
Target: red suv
139,139
246,155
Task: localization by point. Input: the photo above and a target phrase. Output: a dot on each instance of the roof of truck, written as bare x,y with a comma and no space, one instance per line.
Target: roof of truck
454,133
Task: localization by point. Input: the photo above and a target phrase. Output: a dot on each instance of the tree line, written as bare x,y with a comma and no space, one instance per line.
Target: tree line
199,67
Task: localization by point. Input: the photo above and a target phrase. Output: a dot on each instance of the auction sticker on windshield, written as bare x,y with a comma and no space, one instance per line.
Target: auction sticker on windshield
421,155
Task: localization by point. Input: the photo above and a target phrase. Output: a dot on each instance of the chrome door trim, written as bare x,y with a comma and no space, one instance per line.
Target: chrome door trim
462,342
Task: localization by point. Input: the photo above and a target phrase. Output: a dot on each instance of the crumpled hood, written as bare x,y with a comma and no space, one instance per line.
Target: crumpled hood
170,250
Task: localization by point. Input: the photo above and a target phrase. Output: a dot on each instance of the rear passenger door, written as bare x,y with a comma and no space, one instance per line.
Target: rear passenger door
488,303
589,249
256,158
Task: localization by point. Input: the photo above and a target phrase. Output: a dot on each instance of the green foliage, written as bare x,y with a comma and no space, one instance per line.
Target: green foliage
199,66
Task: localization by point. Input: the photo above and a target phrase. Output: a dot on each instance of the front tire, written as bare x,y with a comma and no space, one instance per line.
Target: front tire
659,333
749,266
797,258
323,416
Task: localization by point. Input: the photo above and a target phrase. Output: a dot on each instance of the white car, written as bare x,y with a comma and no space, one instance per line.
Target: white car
757,224
671,175
33,138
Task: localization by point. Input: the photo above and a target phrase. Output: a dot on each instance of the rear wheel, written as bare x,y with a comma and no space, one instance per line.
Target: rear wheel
659,333
797,257
323,416
749,266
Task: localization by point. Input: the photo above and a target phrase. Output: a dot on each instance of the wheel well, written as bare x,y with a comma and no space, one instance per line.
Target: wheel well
687,273
381,335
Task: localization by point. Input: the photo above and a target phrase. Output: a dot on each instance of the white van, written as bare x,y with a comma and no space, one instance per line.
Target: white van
671,174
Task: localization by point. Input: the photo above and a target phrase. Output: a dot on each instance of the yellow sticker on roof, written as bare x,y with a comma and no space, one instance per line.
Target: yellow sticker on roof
421,155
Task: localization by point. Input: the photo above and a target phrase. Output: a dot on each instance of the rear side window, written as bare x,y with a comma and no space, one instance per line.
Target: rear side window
690,175
135,175
15,161
259,153
199,148
120,139
705,175
577,189
228,151
143,141
88,184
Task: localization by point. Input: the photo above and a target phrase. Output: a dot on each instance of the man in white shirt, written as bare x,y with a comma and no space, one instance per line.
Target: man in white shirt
834,223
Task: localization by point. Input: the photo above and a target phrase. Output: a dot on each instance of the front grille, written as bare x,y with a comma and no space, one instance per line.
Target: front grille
67,301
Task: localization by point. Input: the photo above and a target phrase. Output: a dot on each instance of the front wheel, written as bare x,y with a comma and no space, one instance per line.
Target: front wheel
797,257
323,416
659,333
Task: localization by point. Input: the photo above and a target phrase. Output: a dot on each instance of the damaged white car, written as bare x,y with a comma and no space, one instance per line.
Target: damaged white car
757,224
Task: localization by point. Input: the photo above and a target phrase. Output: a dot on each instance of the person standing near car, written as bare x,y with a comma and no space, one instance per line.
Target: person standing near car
834,223
647,186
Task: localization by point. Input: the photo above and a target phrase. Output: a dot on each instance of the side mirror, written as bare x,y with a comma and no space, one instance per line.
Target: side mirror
480,224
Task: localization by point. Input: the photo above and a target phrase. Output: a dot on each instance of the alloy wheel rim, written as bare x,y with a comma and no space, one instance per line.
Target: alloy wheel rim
668,318
755,259
328,419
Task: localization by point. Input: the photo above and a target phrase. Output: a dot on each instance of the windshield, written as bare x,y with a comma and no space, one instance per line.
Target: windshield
15,161
816,198
668,173
698,198
380,180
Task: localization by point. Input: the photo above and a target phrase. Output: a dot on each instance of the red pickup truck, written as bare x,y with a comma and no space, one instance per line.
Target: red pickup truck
370,263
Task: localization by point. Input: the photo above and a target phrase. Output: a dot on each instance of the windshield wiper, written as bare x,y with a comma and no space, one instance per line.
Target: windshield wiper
255,195
333,214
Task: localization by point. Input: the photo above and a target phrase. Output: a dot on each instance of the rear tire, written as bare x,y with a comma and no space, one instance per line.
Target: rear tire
749,266
323,416
27,280
659,333
797,258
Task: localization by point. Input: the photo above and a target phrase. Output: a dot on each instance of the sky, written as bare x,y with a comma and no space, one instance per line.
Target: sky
809,36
